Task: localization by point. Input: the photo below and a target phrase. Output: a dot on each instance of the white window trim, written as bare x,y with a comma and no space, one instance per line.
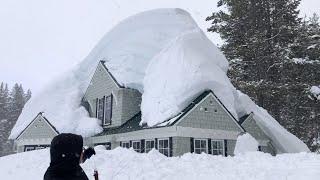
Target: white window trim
161,139
145,144
223,146
194,144
125,142
139,150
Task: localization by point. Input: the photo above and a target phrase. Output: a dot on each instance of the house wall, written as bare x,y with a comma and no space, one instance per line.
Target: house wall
38,129
252,128
125,104
231,144
214,117
180,145
131,101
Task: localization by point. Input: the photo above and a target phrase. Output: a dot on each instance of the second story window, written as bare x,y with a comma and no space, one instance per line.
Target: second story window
104,109
108,110
100,103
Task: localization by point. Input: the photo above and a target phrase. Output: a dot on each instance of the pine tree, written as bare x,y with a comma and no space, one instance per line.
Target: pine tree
262,38
28,95
17,101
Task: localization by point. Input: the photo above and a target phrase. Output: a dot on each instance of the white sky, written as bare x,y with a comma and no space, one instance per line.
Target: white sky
40,39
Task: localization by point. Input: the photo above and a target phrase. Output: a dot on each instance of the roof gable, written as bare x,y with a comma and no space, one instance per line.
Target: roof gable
102,74
42,121
250,125
209,113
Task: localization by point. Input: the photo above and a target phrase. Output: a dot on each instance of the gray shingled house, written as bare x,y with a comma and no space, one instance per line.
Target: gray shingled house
205,125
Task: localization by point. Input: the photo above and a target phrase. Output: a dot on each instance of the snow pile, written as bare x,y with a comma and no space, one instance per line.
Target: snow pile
166,56
246,143
123,164
183,70
315,91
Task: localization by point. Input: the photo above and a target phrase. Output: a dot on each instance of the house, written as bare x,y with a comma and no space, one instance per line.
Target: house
37,135
205,125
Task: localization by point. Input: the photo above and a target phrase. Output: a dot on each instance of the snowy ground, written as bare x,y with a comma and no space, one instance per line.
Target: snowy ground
127,164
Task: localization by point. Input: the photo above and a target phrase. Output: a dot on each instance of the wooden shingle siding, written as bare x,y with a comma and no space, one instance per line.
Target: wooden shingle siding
252,128
125,104
209,114
38,129
180,145
130,106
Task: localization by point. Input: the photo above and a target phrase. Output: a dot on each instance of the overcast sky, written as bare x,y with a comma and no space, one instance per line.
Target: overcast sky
40,39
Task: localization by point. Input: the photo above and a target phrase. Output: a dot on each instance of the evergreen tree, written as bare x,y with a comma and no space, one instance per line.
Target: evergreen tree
28,95
17,100
262,39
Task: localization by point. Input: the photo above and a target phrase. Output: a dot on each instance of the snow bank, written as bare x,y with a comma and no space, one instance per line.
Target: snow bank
246,143
123,164
166,56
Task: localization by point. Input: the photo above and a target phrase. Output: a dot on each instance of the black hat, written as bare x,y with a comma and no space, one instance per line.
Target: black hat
66,148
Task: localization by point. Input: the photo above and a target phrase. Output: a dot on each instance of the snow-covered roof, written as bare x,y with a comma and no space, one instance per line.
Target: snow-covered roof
166,56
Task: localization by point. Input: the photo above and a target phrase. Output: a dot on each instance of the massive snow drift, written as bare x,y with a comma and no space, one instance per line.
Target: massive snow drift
166,56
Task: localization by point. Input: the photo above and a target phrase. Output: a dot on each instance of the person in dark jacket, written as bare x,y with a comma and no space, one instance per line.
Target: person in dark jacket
66,154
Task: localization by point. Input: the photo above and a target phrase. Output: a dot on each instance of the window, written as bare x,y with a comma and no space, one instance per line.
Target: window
136,145
200,145
108,110
29,148
125,144
104,109
149,144
217,147
100,103
163,146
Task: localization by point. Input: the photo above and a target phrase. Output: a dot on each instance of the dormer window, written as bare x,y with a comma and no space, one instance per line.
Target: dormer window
104,109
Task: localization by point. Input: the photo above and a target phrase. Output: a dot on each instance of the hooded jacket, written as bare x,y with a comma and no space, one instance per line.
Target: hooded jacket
65,152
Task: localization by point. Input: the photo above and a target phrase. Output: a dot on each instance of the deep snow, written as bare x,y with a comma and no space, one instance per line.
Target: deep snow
168,58
124,164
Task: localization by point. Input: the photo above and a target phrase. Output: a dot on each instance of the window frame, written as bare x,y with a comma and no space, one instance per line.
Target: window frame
146,150
136,149
200,148
125,142
100,110
106,121
222,149
162,150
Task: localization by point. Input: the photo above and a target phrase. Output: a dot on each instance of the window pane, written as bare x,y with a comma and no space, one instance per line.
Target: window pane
203,144
160,144
108,109
166,143
214,144
215,152
197,144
